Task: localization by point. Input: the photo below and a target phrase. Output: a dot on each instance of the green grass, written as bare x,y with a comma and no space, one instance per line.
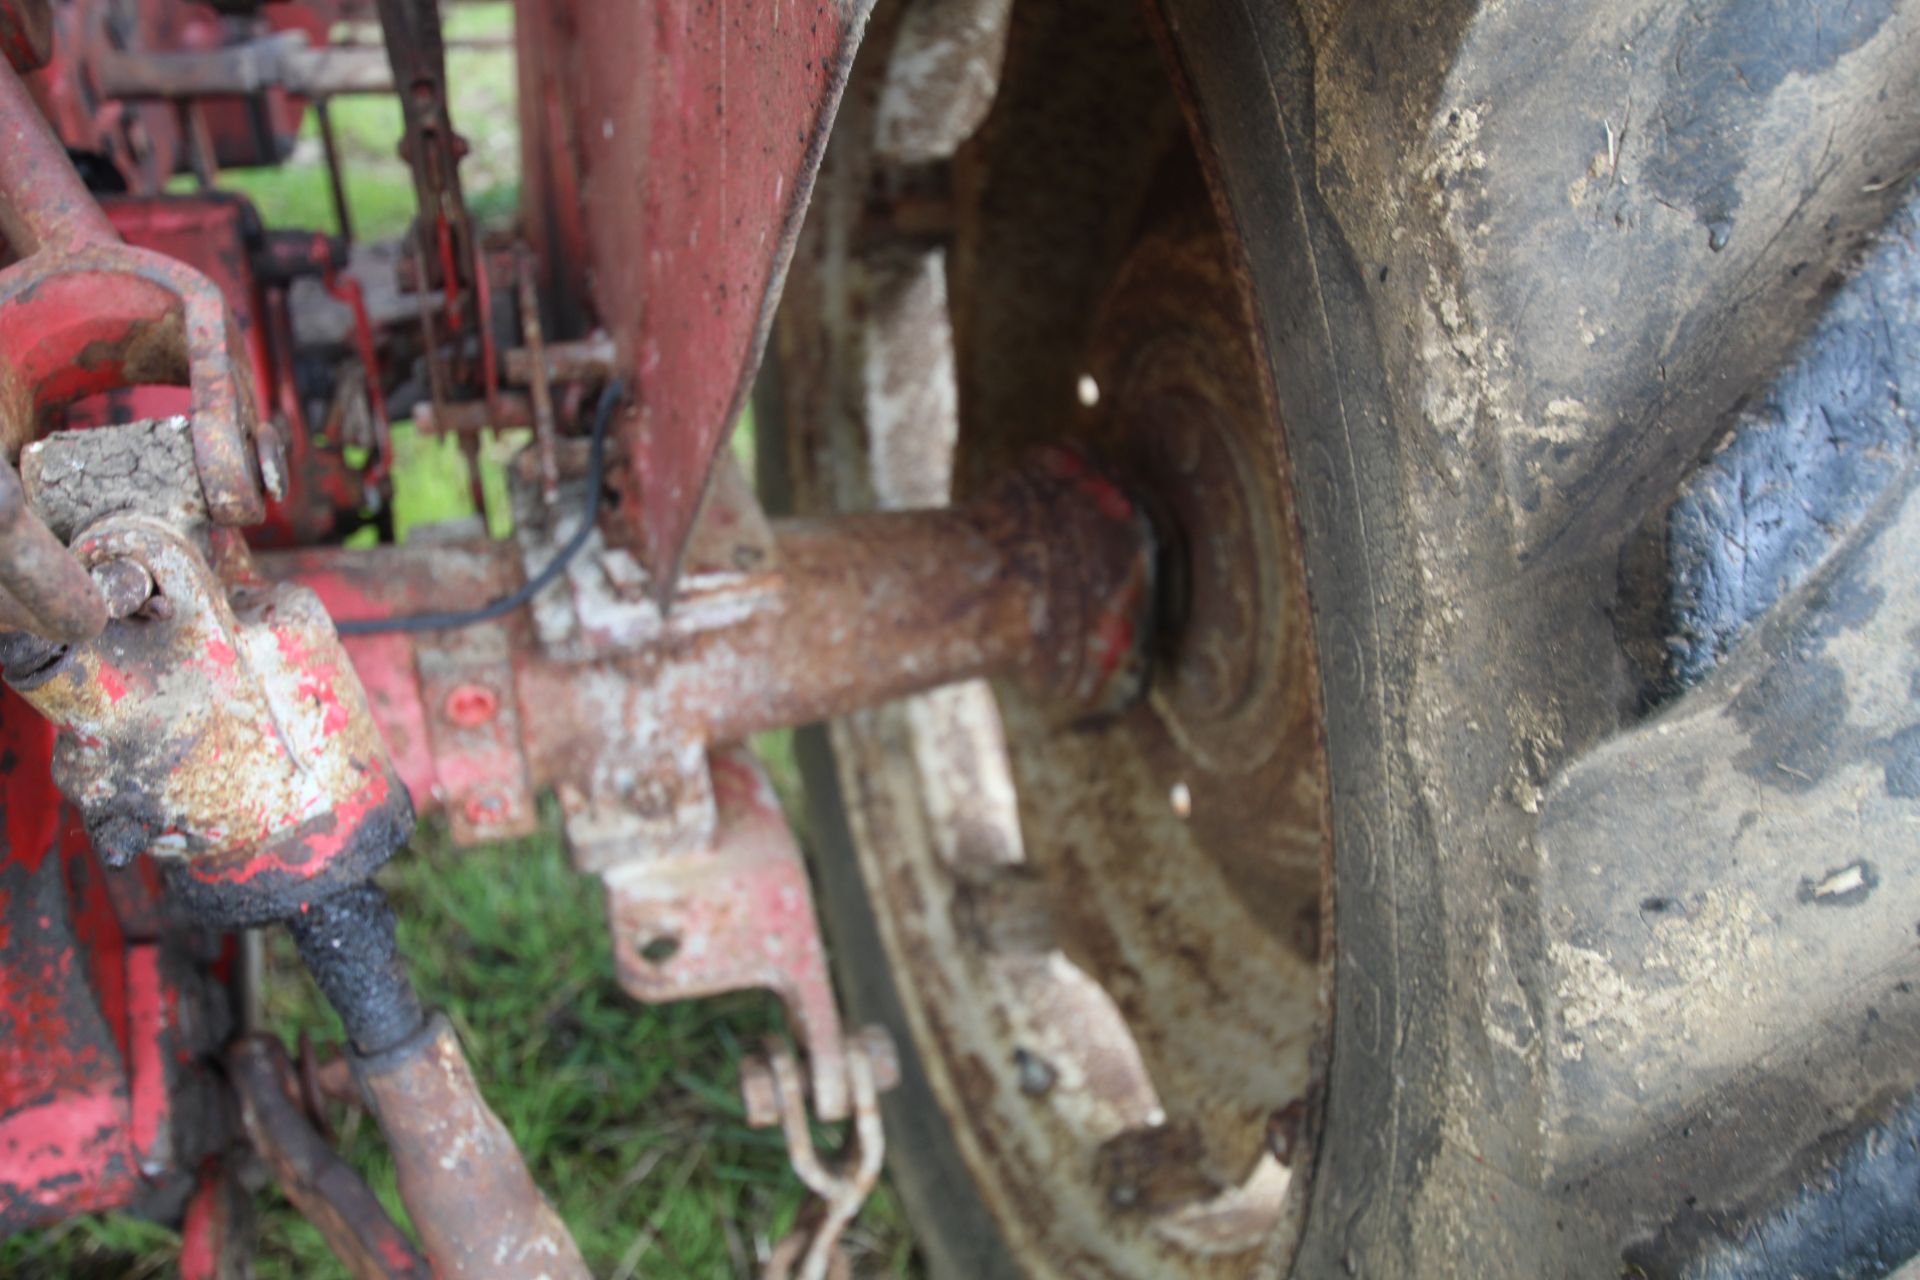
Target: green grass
431,480
113,1246
628,1114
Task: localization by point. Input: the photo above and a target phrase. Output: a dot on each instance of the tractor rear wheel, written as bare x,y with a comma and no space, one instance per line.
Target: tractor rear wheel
1506,870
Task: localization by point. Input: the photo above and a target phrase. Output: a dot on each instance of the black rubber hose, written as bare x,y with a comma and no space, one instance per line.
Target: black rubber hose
349,945
596,474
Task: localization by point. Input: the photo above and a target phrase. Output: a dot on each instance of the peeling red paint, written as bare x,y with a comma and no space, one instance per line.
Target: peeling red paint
112,683
63,1097
26,790
149,1011
53,1155
100,940
200,1235
316,679
316,848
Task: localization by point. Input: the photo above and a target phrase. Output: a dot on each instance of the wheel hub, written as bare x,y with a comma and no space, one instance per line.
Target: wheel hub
1191,435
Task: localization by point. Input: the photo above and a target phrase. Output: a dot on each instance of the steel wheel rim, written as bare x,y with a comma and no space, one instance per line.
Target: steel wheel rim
1130,1064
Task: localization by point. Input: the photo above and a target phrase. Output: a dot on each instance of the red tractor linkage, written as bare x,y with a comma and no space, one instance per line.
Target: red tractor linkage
217,719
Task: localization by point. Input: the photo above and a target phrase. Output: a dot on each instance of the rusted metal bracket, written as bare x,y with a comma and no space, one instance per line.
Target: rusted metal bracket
639,712
81,312
739,916
466,677
736,916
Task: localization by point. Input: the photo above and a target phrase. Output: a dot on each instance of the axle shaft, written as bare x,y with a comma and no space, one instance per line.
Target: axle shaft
1047,578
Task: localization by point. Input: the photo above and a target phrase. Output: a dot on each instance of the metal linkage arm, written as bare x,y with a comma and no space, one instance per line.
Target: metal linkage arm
465,1185
80,313
283,60
216,725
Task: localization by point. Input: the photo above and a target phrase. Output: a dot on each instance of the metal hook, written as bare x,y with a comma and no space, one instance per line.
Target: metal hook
812,1251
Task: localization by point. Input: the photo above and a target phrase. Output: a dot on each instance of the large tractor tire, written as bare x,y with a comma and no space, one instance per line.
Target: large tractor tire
1513,866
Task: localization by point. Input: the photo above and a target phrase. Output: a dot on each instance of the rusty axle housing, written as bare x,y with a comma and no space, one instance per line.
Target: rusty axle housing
1047,578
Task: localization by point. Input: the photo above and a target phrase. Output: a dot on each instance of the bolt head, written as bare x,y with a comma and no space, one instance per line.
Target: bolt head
125,584
471,705
1036,1075
119,839
487,809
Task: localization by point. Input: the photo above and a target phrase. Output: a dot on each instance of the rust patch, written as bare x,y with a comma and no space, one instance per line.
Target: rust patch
326,1191
478,1212
230,738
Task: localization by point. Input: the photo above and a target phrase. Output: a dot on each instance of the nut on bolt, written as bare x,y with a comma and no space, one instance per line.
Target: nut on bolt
120,838
125,584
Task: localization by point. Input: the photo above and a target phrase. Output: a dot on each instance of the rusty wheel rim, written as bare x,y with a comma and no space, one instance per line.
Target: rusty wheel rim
1110,937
